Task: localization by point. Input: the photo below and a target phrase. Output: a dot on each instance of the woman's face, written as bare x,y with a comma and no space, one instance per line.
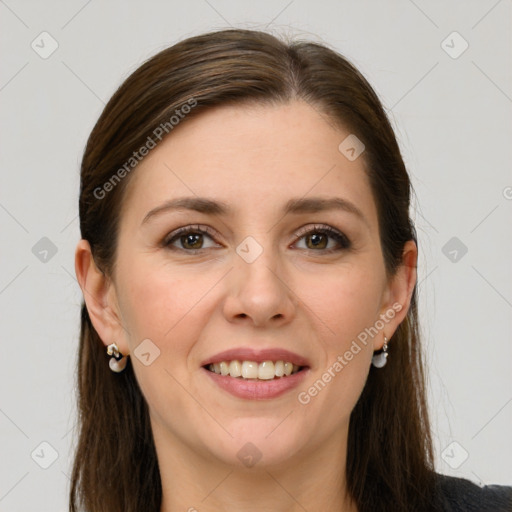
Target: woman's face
256,272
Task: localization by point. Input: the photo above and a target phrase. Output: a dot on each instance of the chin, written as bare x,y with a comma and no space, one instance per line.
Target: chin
255,444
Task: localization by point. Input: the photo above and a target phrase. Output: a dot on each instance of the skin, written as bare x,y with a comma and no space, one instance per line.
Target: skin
294,296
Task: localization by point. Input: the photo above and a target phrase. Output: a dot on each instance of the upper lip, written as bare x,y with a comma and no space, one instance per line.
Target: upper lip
257,355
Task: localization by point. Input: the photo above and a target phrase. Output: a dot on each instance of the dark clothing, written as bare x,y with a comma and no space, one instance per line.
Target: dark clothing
461,495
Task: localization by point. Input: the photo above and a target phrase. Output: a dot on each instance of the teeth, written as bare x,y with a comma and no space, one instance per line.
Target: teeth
249,370
235,369
224,368
266,370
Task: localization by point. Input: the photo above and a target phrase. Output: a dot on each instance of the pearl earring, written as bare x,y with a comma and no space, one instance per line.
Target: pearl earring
380,360
117,362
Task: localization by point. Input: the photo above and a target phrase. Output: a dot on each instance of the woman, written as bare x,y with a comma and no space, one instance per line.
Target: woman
249,335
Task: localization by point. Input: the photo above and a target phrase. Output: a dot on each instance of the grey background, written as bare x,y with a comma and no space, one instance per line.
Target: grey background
453,120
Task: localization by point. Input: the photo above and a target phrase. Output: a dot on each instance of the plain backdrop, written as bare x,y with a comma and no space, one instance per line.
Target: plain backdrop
443,72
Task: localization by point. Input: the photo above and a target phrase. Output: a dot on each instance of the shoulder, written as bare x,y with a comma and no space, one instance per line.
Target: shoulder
461,495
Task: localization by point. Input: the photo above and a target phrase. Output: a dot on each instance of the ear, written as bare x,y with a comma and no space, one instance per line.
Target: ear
398,294
100,298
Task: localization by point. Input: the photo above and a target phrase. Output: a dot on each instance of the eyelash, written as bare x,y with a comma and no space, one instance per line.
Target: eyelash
343,242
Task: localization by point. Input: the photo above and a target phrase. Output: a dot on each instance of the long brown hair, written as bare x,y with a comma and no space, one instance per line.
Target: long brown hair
390,456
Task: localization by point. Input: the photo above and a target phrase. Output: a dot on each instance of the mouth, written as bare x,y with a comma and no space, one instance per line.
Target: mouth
250,364
248,385
254,370
256,374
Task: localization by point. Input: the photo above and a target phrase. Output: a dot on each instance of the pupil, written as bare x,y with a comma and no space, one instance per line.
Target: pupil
317,239
191,240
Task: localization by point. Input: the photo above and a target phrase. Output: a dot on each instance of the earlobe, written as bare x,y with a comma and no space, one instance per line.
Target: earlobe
96,289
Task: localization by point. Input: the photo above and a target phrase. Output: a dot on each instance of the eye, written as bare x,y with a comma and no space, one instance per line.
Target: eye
189,238
317,238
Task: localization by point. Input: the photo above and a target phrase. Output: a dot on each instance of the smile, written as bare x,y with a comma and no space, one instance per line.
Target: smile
248,385
266,370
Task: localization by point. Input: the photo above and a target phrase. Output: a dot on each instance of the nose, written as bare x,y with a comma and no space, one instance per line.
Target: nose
259,293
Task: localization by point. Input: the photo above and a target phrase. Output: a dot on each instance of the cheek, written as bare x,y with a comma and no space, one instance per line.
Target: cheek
155,302
344,307
345,303
162,304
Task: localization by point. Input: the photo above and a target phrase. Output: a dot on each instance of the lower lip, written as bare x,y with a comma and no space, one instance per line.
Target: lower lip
257,389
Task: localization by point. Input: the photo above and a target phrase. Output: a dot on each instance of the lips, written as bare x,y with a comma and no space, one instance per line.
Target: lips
258,356
263,386
254,389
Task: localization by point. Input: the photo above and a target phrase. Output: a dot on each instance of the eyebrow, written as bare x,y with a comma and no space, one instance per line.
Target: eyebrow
295,206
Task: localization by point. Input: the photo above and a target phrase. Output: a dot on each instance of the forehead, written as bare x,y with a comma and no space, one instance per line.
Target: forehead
253,157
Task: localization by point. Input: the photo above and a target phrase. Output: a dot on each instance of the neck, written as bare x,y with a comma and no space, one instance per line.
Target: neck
196,482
